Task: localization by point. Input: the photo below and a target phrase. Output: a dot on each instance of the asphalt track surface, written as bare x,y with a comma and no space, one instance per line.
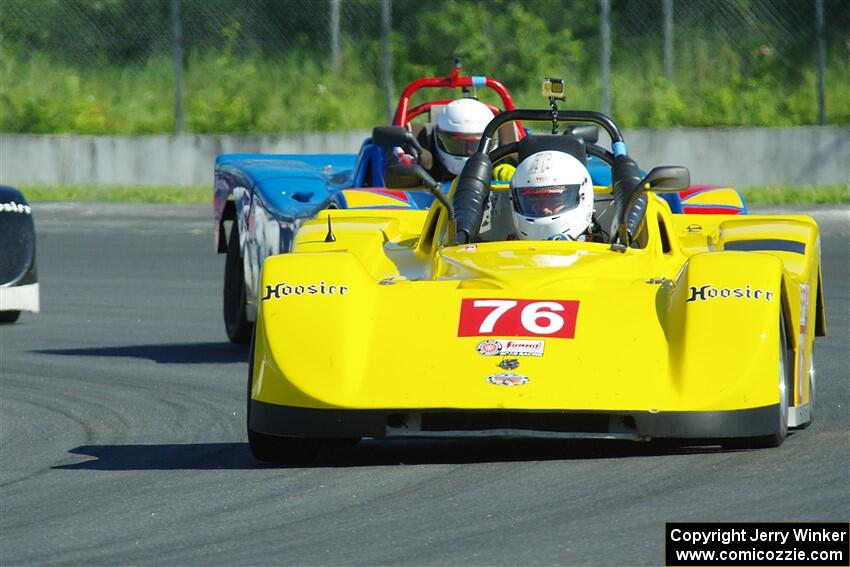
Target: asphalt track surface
123,442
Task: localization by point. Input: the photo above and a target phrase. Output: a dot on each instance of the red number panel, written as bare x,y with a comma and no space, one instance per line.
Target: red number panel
517,318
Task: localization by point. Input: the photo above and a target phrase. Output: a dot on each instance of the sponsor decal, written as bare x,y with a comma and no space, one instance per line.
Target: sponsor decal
284,289
518,318
507,379
509,364
505,347
489,348
469,248
13,207
708,292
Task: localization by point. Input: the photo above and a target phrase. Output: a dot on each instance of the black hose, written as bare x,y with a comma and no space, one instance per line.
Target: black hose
471,193
625,178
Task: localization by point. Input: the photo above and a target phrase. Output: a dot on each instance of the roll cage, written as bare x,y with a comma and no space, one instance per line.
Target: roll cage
371,163
628,185
404,114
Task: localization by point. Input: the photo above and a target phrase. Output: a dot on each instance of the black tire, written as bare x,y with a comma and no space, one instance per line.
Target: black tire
786,388
9,316
281,450
272,448
236,321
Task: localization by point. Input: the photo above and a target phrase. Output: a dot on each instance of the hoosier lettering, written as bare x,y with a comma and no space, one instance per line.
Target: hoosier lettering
284,289
707,292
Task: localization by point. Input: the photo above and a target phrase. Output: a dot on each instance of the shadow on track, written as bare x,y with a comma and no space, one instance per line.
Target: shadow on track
229,456
175,456
169,353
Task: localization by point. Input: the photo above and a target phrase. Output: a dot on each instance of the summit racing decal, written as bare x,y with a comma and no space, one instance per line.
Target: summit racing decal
708,292
14,207
517,318
284,289
495,347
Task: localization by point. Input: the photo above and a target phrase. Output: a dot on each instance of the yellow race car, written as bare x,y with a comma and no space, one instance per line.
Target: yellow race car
405,324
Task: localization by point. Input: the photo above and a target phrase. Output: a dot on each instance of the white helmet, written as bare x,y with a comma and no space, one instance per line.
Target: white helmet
458,131
552,196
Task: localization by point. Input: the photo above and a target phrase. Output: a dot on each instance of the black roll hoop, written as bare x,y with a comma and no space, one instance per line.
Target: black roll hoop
473,184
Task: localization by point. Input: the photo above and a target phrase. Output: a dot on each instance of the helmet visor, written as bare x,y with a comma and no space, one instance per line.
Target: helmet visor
546,201
459,143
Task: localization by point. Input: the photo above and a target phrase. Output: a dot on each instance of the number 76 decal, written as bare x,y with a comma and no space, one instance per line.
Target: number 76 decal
517,318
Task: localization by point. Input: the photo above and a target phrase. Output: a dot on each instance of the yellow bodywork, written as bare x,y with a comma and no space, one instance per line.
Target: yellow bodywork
371,320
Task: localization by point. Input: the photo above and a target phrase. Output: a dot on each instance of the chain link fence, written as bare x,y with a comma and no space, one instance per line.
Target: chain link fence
143,66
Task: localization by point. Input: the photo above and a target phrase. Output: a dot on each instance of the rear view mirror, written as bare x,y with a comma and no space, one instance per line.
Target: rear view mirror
389,136
667,179
407,176
399,137
587,132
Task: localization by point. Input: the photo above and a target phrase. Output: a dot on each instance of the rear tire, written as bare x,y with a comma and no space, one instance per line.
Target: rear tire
9,316
786,385
235,306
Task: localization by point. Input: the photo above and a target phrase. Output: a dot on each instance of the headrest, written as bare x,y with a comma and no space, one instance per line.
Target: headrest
568,143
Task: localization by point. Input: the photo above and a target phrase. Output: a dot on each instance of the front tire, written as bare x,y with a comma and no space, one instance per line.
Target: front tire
235,306
281,450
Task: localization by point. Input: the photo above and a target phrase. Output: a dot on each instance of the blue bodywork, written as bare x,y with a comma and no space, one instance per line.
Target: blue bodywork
269,196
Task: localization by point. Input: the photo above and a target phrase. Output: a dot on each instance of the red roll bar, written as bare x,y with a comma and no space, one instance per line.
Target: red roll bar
453,81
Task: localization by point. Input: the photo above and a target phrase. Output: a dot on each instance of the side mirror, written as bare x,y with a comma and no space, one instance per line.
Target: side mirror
587,132
667,179
398,136
407,176
389,136
662,179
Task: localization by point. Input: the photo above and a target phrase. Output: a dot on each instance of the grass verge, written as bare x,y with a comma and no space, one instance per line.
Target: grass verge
194,194
801,195
202,194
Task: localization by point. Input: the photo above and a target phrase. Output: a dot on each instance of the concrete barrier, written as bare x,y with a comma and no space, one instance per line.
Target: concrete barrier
736,156
749,156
